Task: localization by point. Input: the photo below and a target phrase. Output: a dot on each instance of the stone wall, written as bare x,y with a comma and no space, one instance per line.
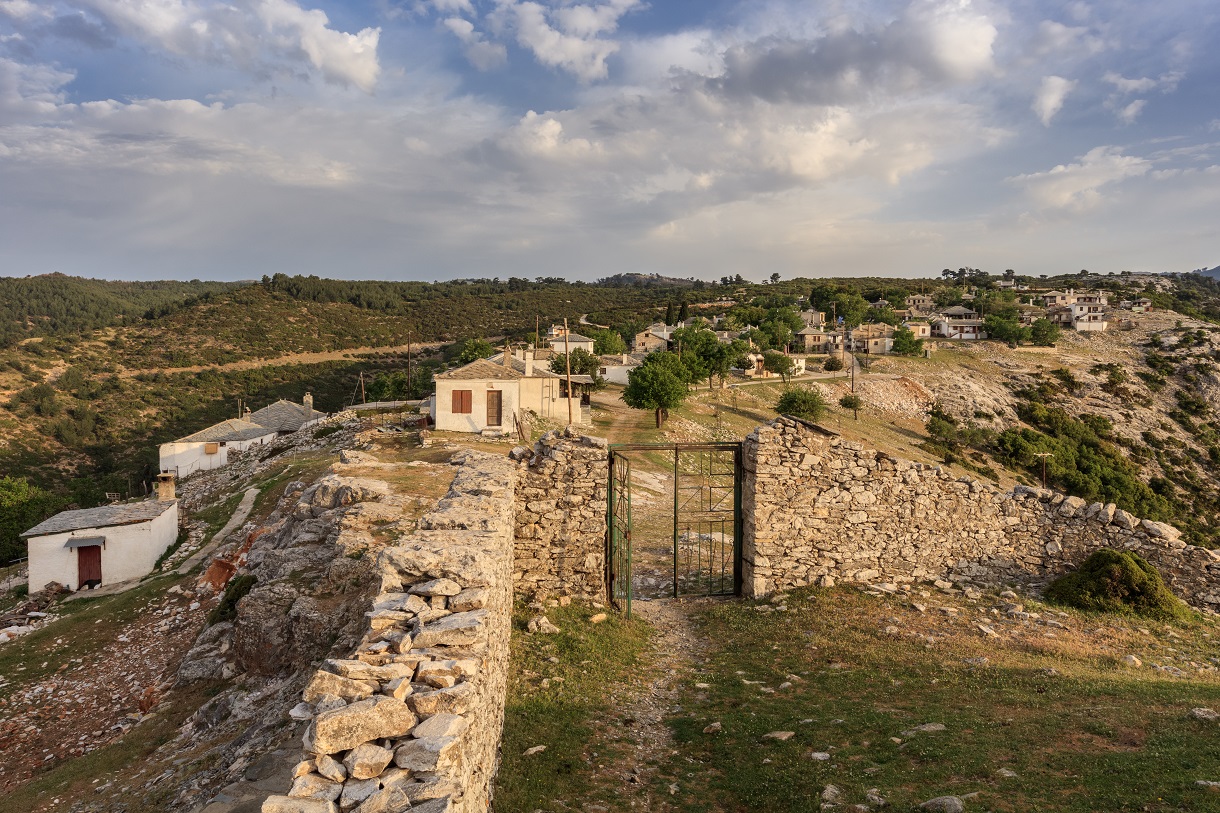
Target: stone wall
412,719
561,516
819,509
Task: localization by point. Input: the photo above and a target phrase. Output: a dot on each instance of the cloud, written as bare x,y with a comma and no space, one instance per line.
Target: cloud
931,43
1129,113
482,54
1051,94
24,10
249,34
566,37
1077,187
1056,38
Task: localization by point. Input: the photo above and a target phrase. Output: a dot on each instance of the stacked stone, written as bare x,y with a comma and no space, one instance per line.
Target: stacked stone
561,516
413,719
818,509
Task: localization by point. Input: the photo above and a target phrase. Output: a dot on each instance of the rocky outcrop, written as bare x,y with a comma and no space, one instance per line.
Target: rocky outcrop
818,508
412,718
561,516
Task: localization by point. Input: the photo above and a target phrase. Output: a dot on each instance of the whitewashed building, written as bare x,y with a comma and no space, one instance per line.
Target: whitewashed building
488,395
91,547
209,448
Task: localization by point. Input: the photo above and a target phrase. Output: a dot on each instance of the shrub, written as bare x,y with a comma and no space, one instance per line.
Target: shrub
236,590
802,403
1112,581
833,364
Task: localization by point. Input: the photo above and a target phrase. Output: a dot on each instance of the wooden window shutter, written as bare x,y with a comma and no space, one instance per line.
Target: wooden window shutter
462,402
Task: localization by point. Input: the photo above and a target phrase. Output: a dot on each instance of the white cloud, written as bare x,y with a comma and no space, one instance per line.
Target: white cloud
483,54
249,33
1124,85
1077,187
1051,95
1129,113
1056,38
566,37
25,10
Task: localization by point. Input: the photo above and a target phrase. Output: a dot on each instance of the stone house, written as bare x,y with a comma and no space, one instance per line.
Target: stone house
654,337
1084,311
562,340
285,416
91,547
876,339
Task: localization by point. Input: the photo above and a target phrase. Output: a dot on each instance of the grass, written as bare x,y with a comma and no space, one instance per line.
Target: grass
86,626
1091,736
581,664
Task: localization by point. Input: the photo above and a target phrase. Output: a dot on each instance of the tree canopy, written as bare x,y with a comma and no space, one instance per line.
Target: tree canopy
659,384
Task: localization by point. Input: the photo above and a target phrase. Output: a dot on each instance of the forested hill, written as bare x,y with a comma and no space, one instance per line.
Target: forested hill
57,305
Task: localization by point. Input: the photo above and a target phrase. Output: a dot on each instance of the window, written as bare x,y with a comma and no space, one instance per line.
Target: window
461,402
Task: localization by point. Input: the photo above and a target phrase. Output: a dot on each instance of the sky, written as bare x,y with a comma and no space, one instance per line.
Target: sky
438,139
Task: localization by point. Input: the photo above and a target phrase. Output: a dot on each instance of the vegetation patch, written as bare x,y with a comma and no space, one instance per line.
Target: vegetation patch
235,591
1112,581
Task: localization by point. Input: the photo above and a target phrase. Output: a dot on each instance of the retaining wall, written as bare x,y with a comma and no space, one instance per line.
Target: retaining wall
818,509
412,720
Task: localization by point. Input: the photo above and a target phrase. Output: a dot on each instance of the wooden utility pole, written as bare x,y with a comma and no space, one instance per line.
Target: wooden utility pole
410,382
567,358
536,321
363,399
1044,456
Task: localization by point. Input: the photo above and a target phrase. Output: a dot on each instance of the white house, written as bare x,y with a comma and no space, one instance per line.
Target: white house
958,322
91,547
1084,311
209,448
488,395
562,340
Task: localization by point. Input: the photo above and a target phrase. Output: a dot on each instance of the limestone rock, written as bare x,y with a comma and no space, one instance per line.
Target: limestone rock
472,598
356,791
459,629
945,804
328,683
331,768
367,761
1207,715
541,623
386,800
440,725
315,786
779,735
926,728
1132,661
288,804
360,722
437,587
454,700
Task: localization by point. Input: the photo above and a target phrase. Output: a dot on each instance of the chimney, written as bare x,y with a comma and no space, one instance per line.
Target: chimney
246,415
307,402
508,356
529,363
165,487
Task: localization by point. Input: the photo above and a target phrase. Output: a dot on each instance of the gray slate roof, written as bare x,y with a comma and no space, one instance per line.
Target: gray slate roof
485,370
233,429
104,516
572,337
284,416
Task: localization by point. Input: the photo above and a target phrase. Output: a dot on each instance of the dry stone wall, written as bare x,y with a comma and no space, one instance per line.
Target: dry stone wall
561,516
412,719
819,509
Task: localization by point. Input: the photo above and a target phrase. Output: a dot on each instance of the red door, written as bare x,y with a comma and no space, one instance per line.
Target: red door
88,565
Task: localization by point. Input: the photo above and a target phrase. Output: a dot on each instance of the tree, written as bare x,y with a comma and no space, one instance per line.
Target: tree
802,403
1044,333
608,343
583,363
669,314
475,349
22,506
779,364
1005,330
905,343
775,278
853,403
658,384
684,312
833,364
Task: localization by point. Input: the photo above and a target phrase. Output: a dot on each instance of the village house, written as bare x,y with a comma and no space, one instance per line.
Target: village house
563,340
615,368
654,337
1084,311
285,416
876,339
919,329
92,547
958,322
921,304
209,448
489,395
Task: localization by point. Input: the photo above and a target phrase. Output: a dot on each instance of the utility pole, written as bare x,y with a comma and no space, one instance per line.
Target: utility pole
567,358
410,381
1044,456
536,320
363,398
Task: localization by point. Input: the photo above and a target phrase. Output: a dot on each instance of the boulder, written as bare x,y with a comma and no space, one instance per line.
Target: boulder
454,700
287,804
426,754
367,761
328,683
459,629
440,725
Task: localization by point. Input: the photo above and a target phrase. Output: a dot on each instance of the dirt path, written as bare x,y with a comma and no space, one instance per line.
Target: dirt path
674,653
280,361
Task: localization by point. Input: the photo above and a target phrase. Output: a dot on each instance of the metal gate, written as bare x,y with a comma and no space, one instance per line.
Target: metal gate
706,520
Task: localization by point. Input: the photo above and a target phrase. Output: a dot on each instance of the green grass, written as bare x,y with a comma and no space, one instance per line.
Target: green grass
565,715
217,514
1094,737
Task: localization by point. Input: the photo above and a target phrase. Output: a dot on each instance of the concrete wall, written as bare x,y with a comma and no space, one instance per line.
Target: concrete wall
561,516
476,420
129,553
820,509
414,716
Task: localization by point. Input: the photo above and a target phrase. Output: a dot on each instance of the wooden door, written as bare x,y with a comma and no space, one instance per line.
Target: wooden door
494,407
88,565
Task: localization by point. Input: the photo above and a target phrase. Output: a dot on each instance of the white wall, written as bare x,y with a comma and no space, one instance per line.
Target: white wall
476,420
130,551
187,458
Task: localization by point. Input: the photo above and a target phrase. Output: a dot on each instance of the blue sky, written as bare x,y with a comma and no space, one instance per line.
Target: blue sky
430,139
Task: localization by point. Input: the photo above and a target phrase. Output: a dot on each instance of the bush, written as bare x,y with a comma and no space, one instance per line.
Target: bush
802,403
833,364
1112,581
236,590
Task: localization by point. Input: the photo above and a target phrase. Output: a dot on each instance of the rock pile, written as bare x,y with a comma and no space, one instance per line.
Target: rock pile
412,719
